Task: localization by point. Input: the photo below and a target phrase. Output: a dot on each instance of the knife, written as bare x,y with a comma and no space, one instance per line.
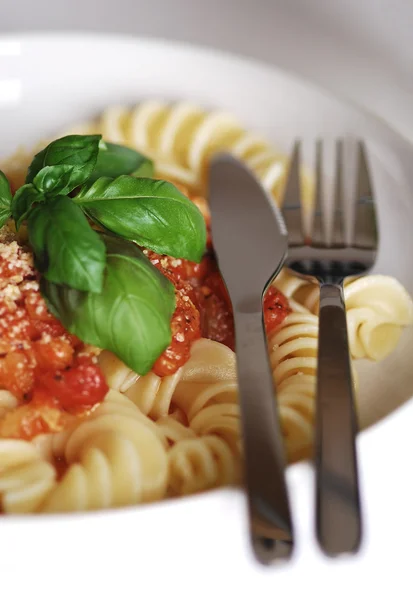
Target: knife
250,240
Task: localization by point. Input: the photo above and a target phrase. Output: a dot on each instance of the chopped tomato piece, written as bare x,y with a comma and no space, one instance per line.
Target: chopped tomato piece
53,354
81,386
276,308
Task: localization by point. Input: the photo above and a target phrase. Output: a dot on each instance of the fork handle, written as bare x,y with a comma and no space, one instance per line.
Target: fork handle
338,519
269,510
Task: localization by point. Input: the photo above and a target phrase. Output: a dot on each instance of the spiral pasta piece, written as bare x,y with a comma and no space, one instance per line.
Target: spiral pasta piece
209,377
26,478
377,308
150,393
174,431
115,457
222,420
200,464
182,137
293,356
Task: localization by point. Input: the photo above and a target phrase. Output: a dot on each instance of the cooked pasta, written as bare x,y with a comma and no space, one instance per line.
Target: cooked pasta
26,479
151,394
378,307
176,429
293,356
173,430
209,377
115,457
222,420
182,137
201,464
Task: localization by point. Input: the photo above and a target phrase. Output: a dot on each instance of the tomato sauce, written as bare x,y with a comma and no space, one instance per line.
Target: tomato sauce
55,376
206,289
51,373
207,311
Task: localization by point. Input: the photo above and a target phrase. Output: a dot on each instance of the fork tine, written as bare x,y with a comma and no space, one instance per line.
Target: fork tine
291,207
349,171
326,225
338,216
330,205
317,224
308,201
365,234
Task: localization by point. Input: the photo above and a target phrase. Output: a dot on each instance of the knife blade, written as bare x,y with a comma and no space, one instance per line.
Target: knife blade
250,241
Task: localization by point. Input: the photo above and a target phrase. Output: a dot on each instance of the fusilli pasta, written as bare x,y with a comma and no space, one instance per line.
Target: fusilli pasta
116,457
156,436
201,464
378,307
26,478
182,137
293,356
151,394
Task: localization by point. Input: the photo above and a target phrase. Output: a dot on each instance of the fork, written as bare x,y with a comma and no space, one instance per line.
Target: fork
338,238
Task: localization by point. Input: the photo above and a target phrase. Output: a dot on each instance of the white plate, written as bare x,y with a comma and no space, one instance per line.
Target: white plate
49,82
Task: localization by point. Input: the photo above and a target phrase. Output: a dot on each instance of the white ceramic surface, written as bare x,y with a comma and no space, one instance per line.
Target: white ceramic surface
360,50
190,543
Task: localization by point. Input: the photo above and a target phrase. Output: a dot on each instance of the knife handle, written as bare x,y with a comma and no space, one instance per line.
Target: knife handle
269,510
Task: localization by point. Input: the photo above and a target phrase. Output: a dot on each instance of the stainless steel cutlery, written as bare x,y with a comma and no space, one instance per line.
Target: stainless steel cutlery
328,241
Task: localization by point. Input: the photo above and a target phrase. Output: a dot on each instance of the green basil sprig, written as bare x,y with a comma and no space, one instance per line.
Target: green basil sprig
154,214
102,287
66,249
131,317
23,201
114,160
5,199
76,153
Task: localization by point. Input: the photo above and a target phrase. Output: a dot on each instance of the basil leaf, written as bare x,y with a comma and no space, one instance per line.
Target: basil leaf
154,214
5,199
132,315
23,201
37,164
118,160
77,151
145,169
67,250
54,180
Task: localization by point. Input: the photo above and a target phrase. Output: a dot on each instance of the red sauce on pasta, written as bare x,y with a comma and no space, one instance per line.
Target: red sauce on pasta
208,310
56,378
48,370
208,293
